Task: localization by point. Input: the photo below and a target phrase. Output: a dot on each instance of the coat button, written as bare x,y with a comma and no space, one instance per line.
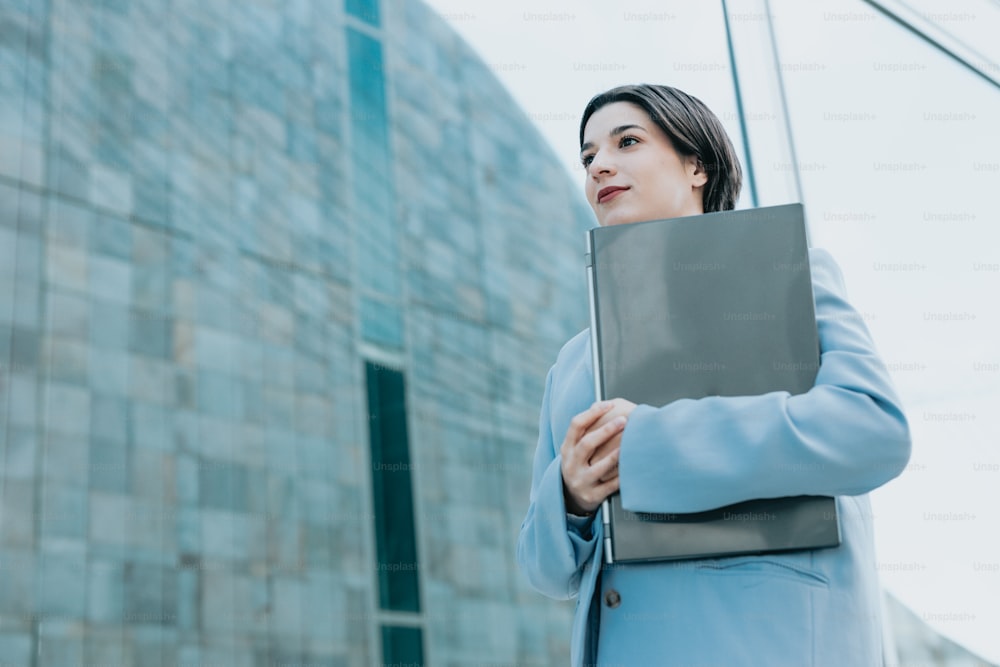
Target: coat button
612,599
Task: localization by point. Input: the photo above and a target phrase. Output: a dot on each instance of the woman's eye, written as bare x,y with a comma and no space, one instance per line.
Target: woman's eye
630,140
586,160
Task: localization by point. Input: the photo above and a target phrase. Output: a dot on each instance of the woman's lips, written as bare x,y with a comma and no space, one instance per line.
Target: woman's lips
609,193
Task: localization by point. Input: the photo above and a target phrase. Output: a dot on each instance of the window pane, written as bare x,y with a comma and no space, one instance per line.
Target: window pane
392,489
366,10
372,183
402,646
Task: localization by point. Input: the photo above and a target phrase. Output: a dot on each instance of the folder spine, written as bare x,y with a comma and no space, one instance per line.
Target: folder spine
598,383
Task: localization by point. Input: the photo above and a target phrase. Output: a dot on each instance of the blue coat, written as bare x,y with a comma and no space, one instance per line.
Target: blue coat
844,437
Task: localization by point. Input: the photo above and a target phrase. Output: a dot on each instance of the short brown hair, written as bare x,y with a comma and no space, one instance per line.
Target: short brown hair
692,129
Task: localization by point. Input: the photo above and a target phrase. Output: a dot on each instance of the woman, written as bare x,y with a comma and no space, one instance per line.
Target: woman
654,152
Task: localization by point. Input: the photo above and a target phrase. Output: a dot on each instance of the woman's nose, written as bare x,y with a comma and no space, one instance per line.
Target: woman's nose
601,164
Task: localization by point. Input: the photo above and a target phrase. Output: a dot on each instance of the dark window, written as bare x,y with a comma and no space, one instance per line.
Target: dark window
392,489
402,646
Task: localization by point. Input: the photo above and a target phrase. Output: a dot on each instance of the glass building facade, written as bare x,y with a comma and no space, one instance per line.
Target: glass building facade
279,283
273,303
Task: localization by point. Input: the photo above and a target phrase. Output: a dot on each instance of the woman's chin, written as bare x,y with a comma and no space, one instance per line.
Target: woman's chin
615,218
624,218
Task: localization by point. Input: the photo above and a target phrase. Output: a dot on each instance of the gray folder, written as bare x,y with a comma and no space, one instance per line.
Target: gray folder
719,304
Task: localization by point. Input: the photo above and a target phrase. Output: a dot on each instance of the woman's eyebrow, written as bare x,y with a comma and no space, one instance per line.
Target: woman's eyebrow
616,131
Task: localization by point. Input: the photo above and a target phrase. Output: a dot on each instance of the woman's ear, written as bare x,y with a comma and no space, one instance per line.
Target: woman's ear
696,169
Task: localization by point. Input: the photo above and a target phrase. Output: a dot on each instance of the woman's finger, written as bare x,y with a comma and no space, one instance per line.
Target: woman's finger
605,489
590,442
606,467
582,422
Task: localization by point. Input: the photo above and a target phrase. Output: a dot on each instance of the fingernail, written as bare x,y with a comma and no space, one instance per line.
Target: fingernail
604,404
619,421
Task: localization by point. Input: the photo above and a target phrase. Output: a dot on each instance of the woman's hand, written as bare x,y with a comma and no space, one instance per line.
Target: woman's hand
619,408
587,479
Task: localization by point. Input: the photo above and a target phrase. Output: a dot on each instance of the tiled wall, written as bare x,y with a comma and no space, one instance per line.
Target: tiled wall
197,247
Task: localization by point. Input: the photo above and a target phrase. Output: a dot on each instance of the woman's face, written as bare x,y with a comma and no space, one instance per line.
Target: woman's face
633,172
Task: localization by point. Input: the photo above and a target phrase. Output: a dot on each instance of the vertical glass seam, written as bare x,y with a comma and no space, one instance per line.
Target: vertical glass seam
751,180
784,110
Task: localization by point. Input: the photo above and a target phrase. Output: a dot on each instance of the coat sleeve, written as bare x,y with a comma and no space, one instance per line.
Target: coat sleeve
845,436
552,547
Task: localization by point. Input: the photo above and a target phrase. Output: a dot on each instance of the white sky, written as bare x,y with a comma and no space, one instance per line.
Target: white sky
900,155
